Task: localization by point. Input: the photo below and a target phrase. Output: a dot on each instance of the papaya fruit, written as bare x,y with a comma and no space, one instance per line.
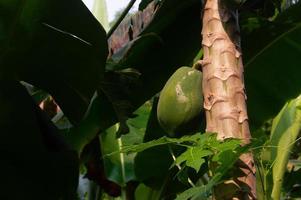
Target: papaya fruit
181,102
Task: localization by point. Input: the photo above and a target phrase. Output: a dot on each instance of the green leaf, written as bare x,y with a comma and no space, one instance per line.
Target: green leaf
101,13
267,8
33,153
61,52
138,125
202,192
227,144
194,157
147,193
285,130
120,93
39,96
115,88
191,140
225,160
268,76
291,183
152,165
234,4
133,50
161,141
108,106
120,167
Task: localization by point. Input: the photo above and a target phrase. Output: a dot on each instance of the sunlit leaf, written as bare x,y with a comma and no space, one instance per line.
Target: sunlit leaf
101,13
194,157
119,167
285,130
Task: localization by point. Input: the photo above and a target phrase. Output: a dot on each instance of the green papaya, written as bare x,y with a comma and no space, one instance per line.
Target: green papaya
181,102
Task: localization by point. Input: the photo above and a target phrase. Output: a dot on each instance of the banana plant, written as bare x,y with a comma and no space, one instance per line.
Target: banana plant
100,11
275,156
64,57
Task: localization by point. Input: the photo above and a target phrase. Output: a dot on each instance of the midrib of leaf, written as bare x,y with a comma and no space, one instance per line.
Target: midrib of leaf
285,142
298,25
161,141
100,12
293,43
121,155
178,165
191,154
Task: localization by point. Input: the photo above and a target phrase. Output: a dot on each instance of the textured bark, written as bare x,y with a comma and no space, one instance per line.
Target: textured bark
224,93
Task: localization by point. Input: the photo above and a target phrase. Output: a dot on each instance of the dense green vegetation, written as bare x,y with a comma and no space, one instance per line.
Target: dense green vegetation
106,134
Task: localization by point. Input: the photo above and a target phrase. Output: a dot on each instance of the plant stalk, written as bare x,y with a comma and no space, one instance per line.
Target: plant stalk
178,166
224,93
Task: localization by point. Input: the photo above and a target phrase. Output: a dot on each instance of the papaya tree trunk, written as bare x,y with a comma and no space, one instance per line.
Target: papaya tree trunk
224,93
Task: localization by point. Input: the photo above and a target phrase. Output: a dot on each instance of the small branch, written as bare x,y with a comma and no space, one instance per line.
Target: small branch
122,16
178,166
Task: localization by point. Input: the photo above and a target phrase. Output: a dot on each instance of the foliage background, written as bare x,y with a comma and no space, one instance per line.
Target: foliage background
48,53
